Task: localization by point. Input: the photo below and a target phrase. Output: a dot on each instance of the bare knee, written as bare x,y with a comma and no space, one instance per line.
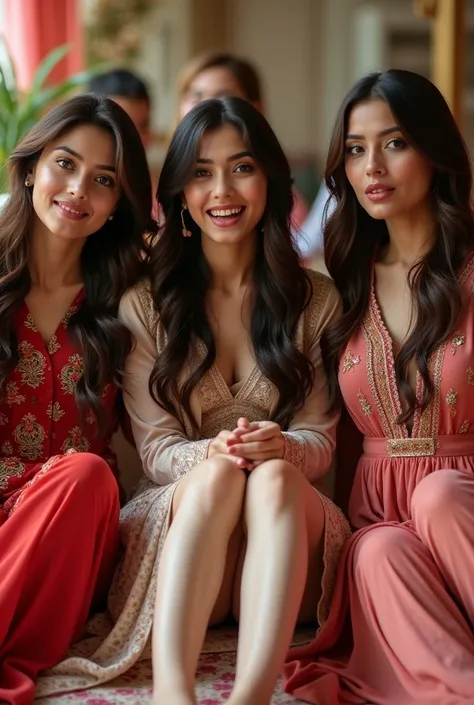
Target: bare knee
276,484
215,483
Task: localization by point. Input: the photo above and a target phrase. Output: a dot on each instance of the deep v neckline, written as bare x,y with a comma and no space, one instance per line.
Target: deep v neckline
389,346
64,319
224,387
220,382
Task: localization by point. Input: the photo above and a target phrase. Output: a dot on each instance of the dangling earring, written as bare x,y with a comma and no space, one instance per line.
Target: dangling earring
27,182
185,232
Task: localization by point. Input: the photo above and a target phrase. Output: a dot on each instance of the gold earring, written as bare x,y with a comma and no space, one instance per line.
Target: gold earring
27,182
185,232
111,217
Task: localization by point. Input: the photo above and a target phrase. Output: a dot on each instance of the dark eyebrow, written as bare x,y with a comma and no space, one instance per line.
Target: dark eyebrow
233,158
388,131
70,151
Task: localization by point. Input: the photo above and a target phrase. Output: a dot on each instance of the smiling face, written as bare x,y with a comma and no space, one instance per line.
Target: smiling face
75,187
227,194
390,179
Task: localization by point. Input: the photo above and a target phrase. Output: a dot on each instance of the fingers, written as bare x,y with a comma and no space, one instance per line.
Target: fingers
256,451
263,433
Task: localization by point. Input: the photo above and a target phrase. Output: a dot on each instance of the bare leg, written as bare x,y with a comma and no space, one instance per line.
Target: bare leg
285,525
207,507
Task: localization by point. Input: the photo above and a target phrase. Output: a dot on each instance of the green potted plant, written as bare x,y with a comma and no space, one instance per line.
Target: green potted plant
21,110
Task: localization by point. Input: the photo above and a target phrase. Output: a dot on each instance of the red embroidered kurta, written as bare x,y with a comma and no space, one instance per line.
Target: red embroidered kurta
39,417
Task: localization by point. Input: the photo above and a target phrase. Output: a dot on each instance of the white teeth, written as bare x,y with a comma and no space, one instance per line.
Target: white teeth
225,212
66,208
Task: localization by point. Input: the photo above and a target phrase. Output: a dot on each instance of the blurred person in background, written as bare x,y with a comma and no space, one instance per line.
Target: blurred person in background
131,93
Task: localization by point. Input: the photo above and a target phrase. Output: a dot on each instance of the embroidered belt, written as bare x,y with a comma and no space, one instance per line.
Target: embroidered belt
452,445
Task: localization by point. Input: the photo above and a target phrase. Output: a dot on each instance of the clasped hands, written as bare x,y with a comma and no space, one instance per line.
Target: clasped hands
250,444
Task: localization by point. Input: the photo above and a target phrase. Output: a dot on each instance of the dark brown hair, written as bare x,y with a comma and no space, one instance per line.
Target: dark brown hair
180,275
111,258
352,237
243,71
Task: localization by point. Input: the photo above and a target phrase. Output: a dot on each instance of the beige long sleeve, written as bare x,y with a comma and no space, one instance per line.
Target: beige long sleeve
311,437
164,449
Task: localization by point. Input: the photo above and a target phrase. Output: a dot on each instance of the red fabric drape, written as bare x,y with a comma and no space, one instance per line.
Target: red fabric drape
34,27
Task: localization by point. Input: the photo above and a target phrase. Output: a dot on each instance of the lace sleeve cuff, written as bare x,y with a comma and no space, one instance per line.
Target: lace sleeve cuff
187,456
295,448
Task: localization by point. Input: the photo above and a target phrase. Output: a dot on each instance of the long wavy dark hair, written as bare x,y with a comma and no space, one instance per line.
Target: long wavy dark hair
112,257
352,237
181,275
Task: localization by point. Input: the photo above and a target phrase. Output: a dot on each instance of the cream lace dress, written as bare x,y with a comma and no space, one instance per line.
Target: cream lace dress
169,450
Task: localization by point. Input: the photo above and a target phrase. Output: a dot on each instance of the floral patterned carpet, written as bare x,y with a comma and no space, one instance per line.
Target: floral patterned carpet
215,677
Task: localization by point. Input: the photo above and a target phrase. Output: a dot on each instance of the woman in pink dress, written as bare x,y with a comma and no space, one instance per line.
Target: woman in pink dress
400,249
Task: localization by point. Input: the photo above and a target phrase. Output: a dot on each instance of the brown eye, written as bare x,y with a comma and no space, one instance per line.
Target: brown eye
65,163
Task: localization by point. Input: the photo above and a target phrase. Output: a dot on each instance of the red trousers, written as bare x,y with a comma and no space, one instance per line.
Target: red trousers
58,547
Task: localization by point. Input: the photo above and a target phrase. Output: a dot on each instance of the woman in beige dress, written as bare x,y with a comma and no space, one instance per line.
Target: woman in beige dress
227,399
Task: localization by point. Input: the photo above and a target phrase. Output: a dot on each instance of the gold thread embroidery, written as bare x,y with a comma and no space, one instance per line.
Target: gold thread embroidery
29,323
410,447
10,467
75,441
378,377
451,399
54,411
53,345
71,373
7,449
458,340
470,375
464,428
3,420
29,436
67,316
13,395
350,361
366,408
44,469
31,365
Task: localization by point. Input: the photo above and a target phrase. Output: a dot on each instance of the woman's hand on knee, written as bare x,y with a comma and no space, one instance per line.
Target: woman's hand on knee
222,444
257,442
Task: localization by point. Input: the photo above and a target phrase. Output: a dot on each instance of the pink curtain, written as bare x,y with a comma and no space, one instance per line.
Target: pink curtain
34,27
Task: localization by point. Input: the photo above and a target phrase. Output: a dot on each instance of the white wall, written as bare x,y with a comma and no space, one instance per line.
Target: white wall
303,49
279,38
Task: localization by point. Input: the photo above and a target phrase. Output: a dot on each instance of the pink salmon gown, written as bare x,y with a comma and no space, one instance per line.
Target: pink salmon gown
400,629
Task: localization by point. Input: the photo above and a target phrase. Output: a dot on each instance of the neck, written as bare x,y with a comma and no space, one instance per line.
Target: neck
53,262
231,264
411,237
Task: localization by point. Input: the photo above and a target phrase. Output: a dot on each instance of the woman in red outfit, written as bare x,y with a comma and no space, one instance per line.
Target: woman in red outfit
71,235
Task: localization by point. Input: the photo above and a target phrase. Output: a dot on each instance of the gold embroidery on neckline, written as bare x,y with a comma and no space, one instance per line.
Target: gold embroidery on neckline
458,340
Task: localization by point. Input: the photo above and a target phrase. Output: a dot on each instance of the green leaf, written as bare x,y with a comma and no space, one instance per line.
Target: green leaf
7,95
41,100
46,66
